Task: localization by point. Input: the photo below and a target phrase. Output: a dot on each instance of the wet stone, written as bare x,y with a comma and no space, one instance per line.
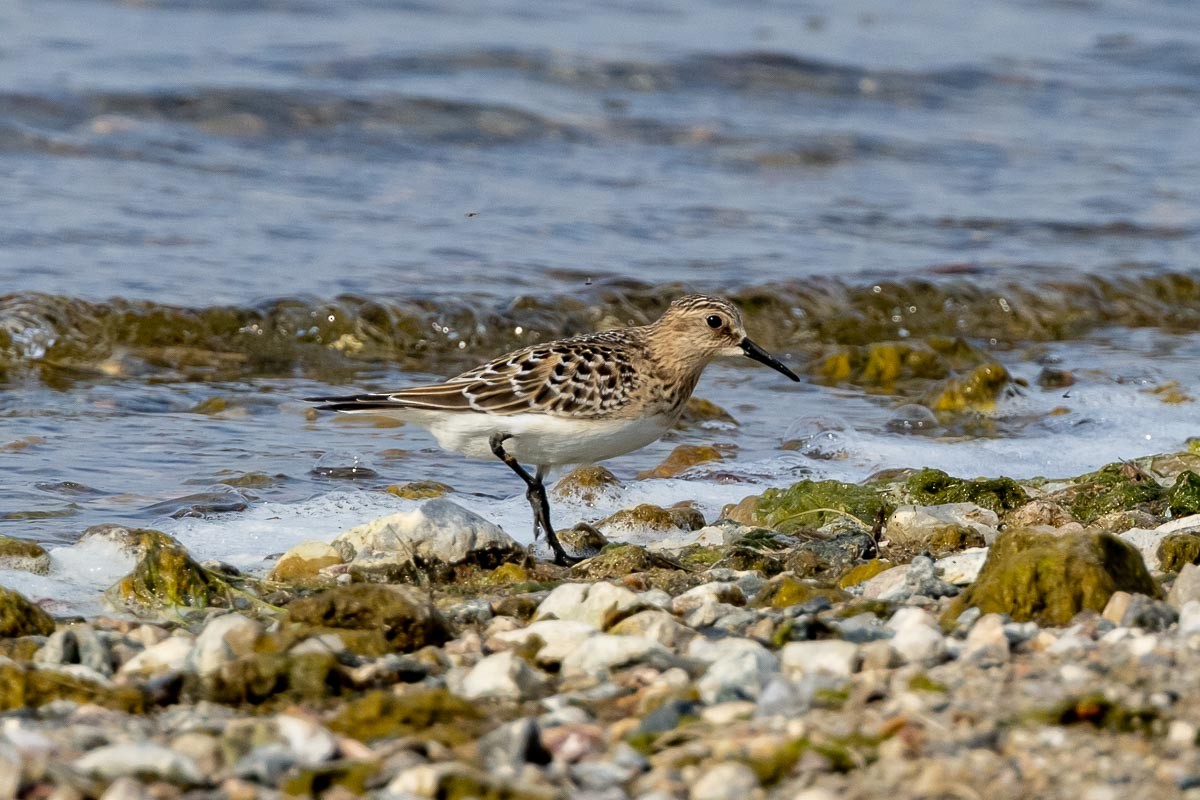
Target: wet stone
19,617
373,619
23,555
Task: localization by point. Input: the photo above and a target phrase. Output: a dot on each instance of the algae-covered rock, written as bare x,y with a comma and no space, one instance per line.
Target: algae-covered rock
19,617
976,391
429,714
1115,487
438,541
304,562
1039,512
882,364
783,591
23,555
583,540
930,487
942,528
374,619
864,572
1184,497
166,576
1178,550
1049,577
811,504
24,686
419,490
587,485
829,556
617,561
682,458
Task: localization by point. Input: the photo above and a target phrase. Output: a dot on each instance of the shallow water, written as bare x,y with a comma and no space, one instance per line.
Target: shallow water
210,210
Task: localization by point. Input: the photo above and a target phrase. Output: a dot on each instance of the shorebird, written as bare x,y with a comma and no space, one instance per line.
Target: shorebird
572,401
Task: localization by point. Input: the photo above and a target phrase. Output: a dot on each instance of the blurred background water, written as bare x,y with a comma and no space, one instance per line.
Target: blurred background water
211,209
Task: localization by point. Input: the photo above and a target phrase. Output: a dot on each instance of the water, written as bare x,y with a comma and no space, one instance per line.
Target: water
209,210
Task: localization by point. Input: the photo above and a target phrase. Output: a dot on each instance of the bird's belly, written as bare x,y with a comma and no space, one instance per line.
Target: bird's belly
546,440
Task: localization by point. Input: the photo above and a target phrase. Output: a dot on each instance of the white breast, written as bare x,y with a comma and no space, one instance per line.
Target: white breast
541,439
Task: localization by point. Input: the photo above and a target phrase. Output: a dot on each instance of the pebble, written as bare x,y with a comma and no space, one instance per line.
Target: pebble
917,638
559,637
738,675
987,644
917,525
708,594
224,639
1189,618
310,741
830,656
501,676
139,759
169,655
657,625
600,605
1186,586
729,781
962,568
597,656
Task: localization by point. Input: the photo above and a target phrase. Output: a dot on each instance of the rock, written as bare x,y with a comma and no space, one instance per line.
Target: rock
681,459
501,676
1115,487
19,617
433,713
10,770
124,788
1189,618
304,562
784,591
962,569
1049,578
506,750
693,598
1186,586
78,644
888,585
830,556
139,760
917,638
738,675
224,639
1038,512
1139,611
828,656
698,412
587,485
619,561
650,519
265,764
166,576
419,490
950,526
864,572
675,543
598,655
987,643
434,541
20,554
372,619
728,781
654,624
559,638
921,579
600,605
583,540
453,781
1184,496
310,742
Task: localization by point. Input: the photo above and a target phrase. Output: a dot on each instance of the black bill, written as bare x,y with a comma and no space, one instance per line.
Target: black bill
763,357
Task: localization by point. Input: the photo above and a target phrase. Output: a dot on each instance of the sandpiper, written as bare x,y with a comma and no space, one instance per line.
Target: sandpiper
572,401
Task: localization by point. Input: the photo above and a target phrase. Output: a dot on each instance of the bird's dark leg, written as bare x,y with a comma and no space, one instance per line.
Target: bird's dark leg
536,495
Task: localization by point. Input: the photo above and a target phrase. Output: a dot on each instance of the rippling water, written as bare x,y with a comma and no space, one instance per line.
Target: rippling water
211,209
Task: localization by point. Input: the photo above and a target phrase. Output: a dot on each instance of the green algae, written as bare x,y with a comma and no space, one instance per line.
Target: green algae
373,619
166,576
921,682
1122,486
1184,497
784,591
811,504
930,487
864,572
619,560
1050,577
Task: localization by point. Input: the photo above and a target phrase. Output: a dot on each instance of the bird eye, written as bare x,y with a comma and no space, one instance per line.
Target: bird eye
714,321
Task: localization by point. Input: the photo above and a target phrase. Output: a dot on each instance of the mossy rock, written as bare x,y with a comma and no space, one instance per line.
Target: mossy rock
587,485
880,365
617,561
784,591
864,572
583,540
1115,487
351,777
19,617
1049,577
419,490
270,677
374,619
24,555
1178,550
166,576
698,411
427,713
1184,497
976,391
683,458
21,648
811,504
736,557
932,487
25,686
829,556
